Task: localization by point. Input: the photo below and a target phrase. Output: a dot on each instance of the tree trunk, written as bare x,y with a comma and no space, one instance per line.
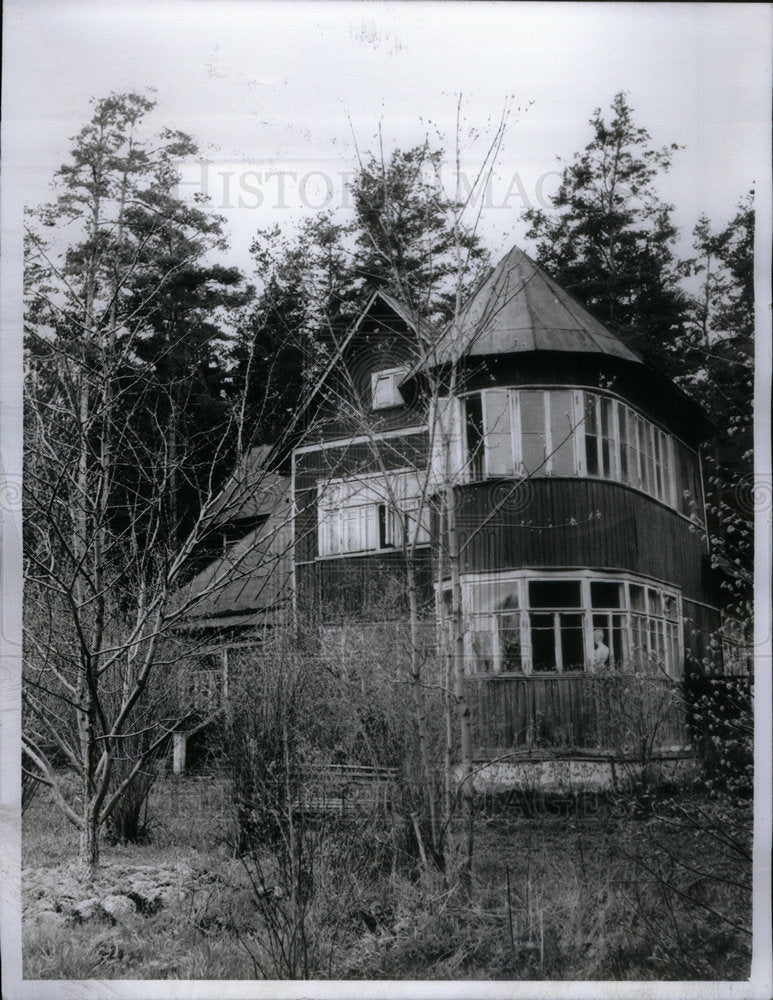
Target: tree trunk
420,706
460,694
88,847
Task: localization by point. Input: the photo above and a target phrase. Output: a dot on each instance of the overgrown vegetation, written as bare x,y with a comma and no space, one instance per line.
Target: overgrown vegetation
562,890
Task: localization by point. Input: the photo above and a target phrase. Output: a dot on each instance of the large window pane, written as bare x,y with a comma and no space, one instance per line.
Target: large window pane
509,626
572,642
555,594
543,643
672,650
499,445
629,462
561,438
639,639
590,406
482,644
473,410
605,594
614,632
533,431
493,595
688,481
638,600
607,437
655,604
659,441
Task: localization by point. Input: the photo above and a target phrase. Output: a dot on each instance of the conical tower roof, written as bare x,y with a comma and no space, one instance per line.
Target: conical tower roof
520,308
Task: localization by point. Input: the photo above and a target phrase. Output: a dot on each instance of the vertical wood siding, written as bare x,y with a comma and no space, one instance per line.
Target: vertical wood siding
619,713
562,523
361,586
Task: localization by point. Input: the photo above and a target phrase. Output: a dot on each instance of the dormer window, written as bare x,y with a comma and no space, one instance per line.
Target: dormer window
385,388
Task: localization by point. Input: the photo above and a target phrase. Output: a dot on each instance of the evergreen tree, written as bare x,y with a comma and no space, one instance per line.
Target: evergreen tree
405,233
186,306
719,361
403,239
121,286
308,300
135,294
609,239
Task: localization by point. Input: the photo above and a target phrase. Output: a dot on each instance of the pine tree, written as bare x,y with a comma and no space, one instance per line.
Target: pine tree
316,282
719,362
609,239
404,233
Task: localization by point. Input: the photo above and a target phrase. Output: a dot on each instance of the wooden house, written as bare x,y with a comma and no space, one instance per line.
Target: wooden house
580,544
581,541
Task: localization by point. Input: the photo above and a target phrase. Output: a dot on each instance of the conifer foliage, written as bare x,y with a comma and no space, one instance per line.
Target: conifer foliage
124,427
609,238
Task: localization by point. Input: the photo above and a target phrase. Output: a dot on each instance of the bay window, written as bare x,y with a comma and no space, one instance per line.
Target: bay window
570,624
565,432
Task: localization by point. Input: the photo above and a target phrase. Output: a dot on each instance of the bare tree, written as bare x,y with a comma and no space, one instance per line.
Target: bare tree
108,548
438,378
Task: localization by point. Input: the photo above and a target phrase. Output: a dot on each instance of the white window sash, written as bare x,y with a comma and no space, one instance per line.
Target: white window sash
658,635
348,518
651,453
384,389
498,422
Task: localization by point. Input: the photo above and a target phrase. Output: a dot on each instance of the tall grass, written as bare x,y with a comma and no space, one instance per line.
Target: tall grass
605,893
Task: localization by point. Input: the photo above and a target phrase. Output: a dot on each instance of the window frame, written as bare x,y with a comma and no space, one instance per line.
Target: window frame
654,458
395,396
381,521
670,627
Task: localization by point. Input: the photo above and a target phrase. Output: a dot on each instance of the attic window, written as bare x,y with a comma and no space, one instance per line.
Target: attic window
385,389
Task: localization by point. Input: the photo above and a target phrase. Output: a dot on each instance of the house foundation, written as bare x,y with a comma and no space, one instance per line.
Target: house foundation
580,775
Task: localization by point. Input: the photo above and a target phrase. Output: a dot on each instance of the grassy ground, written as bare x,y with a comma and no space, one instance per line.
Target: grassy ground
594,893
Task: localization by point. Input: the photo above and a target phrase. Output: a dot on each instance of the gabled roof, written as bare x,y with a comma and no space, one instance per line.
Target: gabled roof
520,308
252,579
400,309
251,490
383,298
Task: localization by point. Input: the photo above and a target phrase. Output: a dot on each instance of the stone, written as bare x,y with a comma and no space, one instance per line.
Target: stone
87,909
118,907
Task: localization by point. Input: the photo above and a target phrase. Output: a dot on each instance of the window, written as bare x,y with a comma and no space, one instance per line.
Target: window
567,432
563,625
385,388
473,429
498,433
736,646
601,453
557,640
493,638
610,626
689,496
371,513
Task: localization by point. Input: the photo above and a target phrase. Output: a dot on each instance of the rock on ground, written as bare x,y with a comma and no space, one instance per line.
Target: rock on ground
57,897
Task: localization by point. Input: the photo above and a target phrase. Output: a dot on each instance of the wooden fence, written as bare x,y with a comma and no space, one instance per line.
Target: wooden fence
346,788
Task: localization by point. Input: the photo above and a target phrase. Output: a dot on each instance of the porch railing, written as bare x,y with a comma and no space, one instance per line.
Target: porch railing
620,714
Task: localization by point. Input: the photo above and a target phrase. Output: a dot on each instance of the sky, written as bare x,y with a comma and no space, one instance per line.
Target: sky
282,96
